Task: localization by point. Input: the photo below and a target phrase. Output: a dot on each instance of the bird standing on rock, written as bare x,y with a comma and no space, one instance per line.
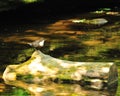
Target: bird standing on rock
37,43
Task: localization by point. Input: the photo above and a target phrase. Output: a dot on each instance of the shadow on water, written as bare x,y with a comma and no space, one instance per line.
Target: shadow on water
68,48
11,52
111,53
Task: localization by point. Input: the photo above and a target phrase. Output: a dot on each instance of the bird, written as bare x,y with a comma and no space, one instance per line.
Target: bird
37,43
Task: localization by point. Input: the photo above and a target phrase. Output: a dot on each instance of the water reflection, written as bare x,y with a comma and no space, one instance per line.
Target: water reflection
53,89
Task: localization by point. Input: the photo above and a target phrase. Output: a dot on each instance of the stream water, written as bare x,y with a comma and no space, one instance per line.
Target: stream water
72,38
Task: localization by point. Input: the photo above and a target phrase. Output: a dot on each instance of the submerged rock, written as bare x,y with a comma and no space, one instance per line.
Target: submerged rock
88,23
97,21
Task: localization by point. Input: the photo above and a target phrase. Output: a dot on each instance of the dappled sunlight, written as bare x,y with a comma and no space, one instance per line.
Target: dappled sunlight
92,43
106,11
113,13
66,39
59,25
29,1
36,67
24,38
2,87
105,70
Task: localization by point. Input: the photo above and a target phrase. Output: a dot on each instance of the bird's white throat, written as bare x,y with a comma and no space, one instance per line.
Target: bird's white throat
41,43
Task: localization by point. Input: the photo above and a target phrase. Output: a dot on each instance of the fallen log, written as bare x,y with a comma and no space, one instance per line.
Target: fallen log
41,68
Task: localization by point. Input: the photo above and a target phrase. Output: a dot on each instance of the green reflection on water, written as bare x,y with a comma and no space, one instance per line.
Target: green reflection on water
15,91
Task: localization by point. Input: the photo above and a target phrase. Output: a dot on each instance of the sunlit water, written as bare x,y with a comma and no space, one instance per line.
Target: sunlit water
64,40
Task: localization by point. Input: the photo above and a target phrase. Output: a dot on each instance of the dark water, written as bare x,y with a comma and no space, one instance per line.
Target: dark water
65,39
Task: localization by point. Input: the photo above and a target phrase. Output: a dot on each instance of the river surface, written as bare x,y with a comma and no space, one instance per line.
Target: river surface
71,37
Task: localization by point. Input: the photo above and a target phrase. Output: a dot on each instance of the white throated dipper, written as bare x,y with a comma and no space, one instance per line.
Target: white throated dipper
37,43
